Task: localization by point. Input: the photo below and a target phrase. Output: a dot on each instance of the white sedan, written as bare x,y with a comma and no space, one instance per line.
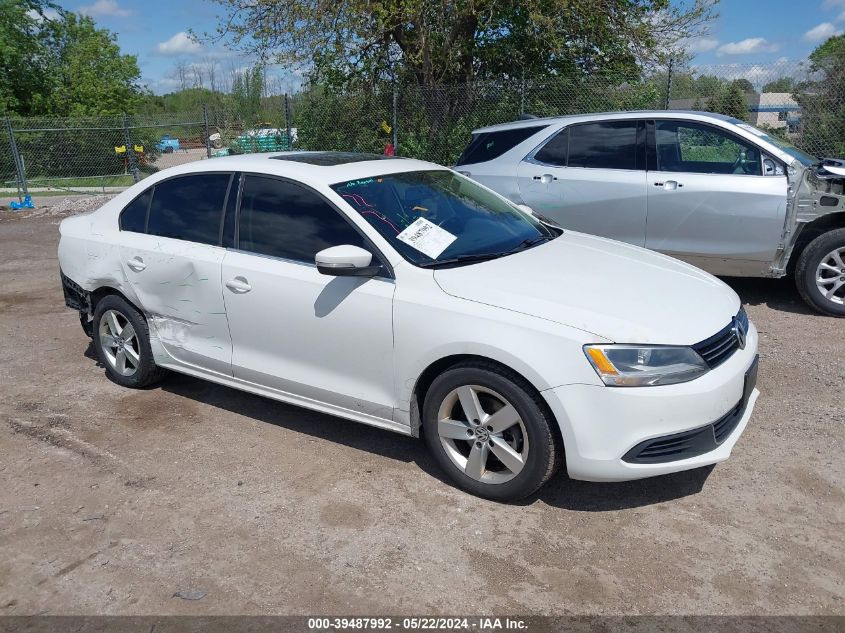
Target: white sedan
401,294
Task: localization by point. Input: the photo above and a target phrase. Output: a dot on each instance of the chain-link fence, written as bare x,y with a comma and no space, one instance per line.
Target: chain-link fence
800,102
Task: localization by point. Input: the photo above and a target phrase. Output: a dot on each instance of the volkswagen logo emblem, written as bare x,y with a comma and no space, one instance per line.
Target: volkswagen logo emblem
740,333
481,434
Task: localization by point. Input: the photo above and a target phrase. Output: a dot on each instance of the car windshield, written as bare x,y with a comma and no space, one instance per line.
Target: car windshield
439,218
804,159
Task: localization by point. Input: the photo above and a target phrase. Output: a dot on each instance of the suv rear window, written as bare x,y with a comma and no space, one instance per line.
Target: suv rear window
489,145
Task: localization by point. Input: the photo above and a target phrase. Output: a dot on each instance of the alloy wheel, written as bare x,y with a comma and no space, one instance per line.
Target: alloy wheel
830,276
120,343
483,434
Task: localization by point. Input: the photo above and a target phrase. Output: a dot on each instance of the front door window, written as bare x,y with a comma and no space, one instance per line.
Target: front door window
696,148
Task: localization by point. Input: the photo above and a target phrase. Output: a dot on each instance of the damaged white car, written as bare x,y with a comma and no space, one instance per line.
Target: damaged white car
705,188
403,295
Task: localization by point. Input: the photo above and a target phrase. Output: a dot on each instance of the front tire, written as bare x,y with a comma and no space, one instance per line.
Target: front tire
122,341
820,273
489,430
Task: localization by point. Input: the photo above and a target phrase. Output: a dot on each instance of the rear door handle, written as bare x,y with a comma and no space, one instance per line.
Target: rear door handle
545,178
238,285
669,185
137,264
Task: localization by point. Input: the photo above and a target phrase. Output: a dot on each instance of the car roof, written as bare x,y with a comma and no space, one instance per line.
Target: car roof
737,126
630,114
316,168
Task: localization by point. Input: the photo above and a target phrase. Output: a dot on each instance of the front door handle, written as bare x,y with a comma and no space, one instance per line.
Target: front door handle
137,264
669,185
238,285
545,178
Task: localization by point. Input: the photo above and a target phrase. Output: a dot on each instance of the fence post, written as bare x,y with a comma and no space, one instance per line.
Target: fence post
287,122
668,84
207,131
395,119
130,151
20,173
522,93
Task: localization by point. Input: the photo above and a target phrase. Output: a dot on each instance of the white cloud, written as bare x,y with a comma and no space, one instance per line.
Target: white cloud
698,45
105,7
179,44
840,17
747,46
829,4
820,32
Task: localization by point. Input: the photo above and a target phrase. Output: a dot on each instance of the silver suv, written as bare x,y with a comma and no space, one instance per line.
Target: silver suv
705,188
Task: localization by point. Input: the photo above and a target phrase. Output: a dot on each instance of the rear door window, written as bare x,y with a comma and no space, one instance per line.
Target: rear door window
489,145
189,208
555,151
134,216
604,145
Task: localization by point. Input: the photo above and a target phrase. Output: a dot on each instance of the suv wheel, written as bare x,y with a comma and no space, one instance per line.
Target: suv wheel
122,341
820,273
489,430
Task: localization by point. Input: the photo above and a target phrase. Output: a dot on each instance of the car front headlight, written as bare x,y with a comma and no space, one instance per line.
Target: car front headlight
644,365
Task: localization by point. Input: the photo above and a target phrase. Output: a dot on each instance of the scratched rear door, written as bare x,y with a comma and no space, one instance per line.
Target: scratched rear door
174,268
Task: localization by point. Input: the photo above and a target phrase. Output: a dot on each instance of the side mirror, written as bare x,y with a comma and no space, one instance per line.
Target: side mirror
768,167
525,208
346,261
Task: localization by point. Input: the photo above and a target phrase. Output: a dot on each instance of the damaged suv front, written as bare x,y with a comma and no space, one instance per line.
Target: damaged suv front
813,246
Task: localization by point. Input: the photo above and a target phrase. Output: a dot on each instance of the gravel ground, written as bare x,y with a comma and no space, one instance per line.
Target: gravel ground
114,500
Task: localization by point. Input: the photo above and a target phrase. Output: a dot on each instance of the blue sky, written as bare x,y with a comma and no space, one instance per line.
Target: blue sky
759,32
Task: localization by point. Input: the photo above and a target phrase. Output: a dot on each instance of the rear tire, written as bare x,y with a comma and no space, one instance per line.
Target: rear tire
122,341
490,431
820,273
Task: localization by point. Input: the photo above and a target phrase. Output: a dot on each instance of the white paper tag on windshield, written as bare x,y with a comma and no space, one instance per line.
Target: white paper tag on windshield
427,237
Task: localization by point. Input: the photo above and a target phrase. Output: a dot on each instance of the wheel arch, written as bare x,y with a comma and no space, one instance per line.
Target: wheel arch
441,365
102,292
811,231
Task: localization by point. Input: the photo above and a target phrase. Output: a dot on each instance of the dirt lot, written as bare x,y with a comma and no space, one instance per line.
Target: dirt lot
113,500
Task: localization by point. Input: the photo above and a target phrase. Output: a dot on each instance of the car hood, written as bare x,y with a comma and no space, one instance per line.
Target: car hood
619,292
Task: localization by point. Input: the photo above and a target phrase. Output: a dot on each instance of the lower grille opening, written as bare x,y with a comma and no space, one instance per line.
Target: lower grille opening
671,448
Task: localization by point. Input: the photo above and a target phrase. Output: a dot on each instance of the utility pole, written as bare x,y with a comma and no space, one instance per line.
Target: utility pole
668,84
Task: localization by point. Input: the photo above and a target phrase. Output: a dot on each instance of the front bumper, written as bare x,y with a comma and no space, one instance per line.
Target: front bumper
603,426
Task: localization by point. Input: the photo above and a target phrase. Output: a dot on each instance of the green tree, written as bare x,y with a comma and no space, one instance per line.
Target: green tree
456,42
687,85
729,101
54,62
188,100
23,78
743,85
783,84
89,75
820,98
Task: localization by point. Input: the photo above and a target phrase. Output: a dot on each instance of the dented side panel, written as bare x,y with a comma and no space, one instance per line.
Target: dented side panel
90,258
178,286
